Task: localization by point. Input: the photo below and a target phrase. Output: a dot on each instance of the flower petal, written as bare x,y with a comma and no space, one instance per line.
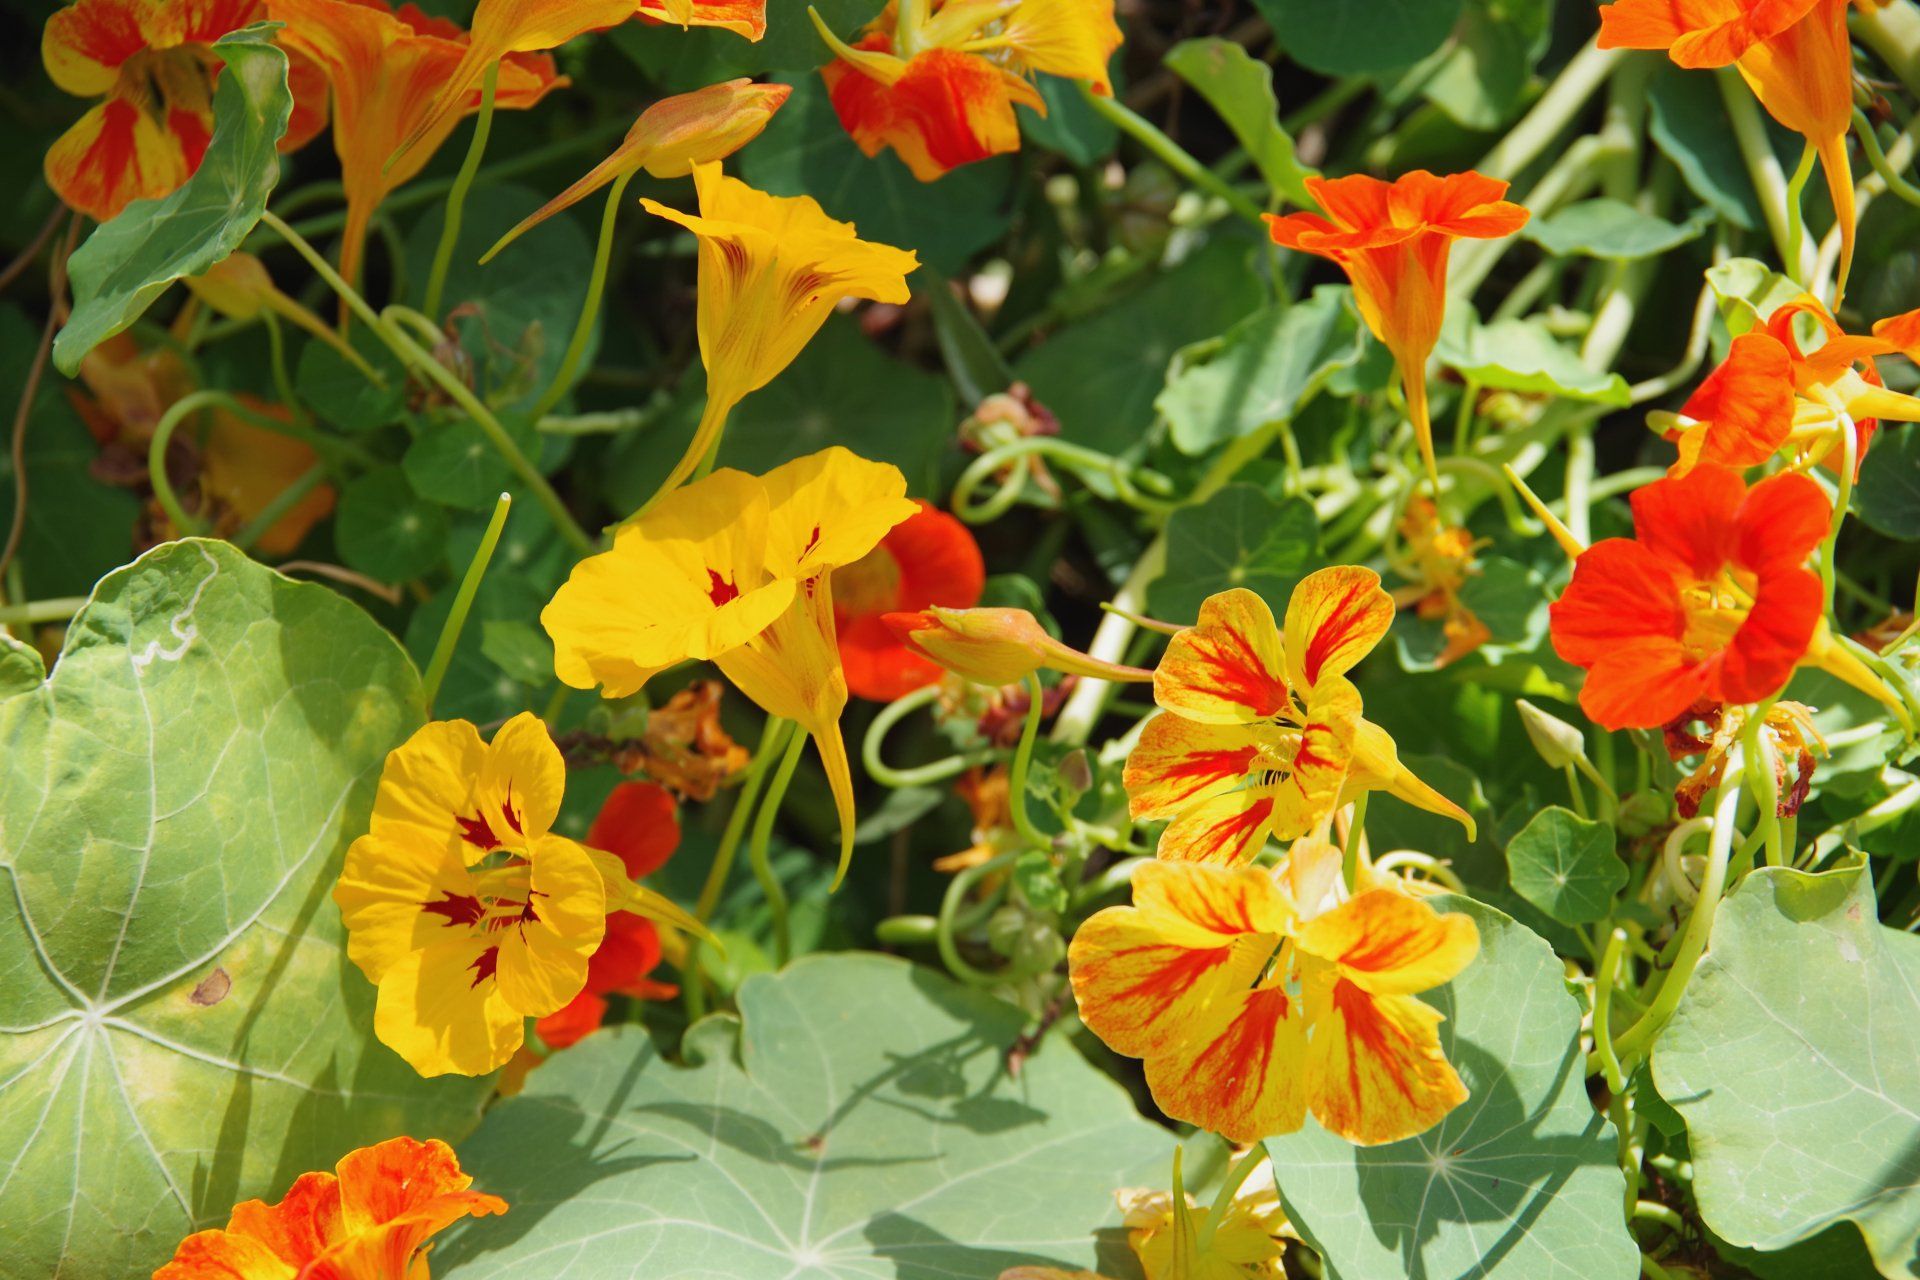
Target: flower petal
639,823
441,1011
523,779
829,509
543,958
1745,405
1228,829
1621,593
1689,520
1334,618
425,787
113,155
1376,1070
1389,943
1228,668
1788,605
1780,523
1178,762
84,44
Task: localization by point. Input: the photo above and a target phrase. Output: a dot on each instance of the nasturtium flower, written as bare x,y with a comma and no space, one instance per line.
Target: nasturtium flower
1250,1014
504,28
1793,54
151,62
1439,558
928,559
384,66
464,906
1787,731
996,647
737,570
938,82
772,269
370,1219
1393,240
669,138
1261,733
1248,1243
1774,391
1710,600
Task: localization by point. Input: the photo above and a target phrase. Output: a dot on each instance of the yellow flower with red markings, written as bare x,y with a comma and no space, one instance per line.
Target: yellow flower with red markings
464,907
1247,1243
996,647
370,1219
772,269
937,82
152,65
668,139
737,570
1262,733
1249,1014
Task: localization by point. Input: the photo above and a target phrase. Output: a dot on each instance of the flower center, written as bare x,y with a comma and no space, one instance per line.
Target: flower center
1715,611
158,80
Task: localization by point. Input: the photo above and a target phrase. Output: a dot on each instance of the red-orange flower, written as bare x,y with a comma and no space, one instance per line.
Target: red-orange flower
1393,240
1742,414
1710,600
941,90
152,64
1793,54
368,1220
385,67
928,559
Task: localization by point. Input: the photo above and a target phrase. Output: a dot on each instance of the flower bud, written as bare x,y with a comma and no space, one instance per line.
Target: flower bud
997,646
1559,743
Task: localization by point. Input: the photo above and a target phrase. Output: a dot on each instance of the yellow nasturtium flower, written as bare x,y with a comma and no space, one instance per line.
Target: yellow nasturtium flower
772,269
1250,1012
736,569
1262,733
464,907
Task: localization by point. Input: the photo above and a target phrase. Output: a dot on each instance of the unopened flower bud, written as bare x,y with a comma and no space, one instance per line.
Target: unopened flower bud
997,646
1559,743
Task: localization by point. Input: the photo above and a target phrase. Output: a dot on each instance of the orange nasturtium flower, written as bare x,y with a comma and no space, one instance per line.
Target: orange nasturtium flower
997,647
737,570
1250,1013
937,81
370,1219
464,907
384,66
152,64
1393,240
1771,391
1709,601
1261,733
1793,54
669,138
772,269
503,28
928,559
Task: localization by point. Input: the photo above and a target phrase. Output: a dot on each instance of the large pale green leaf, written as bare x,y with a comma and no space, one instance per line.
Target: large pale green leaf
859,1120
1359,36
1269,365
805,151
1517,1183
1240,88
1100,376
131,260
183,1029
1520,355
1240,537
1603,228
1689,123
1795,1059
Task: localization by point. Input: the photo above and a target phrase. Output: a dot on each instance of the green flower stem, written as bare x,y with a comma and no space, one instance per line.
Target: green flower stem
34,612
1603,979
1870,143
945,926
1169,152
1350,852
771,740
1237,1174
1564,99
906,931
590,307
1022,761
1750,132
422,360
457,197
1575,792
1849,459
284,501
757,848
1638,1038
1124,476
282,381
1763,783
463,600
1796,216
177,413
918,775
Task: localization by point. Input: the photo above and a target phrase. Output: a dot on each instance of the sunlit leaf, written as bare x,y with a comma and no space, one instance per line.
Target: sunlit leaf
1241,90
1240,537
1566,866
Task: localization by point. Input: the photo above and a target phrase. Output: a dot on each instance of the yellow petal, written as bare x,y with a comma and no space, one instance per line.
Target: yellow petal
1178,762
1388,943
1334,619
1376,1070
1071,38
386,892
523,780
425,785
829,509
543,958
439,1012
1377,767
1230,828
1227,668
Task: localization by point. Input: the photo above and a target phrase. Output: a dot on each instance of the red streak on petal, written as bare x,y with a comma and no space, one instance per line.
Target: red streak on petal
719,590
458,909
484,964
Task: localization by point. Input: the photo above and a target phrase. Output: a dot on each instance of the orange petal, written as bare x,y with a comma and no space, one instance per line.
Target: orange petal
1376,1070
742,17
1745,406
1227,668
1334,618
84,44
224,1255
1388,943
1228,829
113,155
1070,38
1310,791
1243,1078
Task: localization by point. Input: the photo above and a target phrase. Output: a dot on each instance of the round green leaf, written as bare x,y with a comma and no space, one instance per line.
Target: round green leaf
132,260
1795,1059
1566,866
1509,598
1517,1183
857,1121
452,463
1357,37
184,1030
1689,123
1240,537
384,529
343,395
